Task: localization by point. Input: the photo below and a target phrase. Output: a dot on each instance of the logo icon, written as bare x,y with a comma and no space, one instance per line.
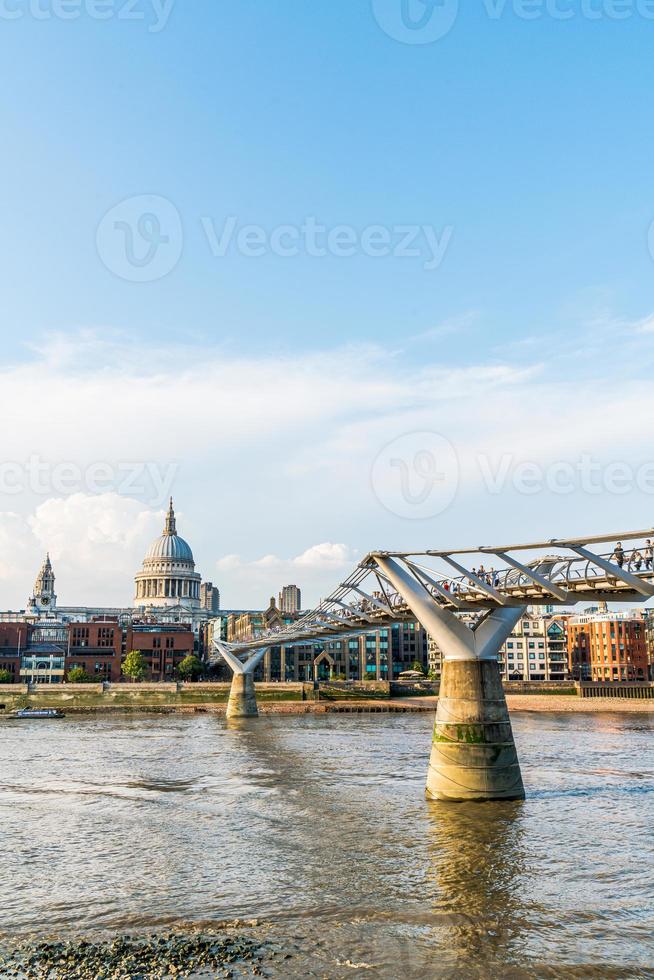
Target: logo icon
141,238
416,21
416,476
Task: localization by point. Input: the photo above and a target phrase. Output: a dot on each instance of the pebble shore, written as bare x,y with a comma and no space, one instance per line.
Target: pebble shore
160,956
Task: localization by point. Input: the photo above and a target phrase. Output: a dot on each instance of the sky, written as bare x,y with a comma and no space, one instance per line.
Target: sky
337,276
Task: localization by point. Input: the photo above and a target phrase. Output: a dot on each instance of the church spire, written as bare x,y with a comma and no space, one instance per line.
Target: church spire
170,527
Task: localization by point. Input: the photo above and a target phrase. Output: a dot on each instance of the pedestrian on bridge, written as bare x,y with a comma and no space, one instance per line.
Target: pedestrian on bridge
649,555
618,554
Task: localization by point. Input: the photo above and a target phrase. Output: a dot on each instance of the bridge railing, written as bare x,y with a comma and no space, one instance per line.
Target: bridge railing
559,570
366,600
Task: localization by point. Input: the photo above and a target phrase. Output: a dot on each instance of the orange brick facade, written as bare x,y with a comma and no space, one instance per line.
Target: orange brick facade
608,649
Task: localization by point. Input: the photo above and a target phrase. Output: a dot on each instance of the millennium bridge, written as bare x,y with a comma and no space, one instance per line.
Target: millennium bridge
468,600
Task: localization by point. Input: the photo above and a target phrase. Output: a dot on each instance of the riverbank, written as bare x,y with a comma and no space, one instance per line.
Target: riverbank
558,703
268,705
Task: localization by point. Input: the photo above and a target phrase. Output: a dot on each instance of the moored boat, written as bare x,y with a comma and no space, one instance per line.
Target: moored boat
23,713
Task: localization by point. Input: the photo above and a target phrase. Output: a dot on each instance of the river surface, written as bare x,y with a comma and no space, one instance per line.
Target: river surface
317,827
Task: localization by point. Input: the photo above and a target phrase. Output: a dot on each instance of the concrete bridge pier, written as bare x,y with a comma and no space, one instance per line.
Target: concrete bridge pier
242,701
473,753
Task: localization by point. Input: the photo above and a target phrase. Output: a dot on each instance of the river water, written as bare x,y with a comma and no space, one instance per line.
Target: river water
317,827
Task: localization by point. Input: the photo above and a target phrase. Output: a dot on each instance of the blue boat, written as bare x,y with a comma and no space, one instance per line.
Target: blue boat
37,713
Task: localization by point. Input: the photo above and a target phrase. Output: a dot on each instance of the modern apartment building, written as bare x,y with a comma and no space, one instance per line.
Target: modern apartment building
536,649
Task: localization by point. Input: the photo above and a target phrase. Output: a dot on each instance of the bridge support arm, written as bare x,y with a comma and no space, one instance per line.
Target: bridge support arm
242,696
491,634
453,637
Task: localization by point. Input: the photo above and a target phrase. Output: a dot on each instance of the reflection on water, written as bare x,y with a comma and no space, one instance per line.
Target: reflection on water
477,860
318,827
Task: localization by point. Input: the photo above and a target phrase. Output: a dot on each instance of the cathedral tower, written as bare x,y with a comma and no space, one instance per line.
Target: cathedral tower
43,599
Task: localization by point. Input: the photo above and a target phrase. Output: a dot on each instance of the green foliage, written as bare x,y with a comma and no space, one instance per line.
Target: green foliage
134,666
77,675
5,677
190,668
416,665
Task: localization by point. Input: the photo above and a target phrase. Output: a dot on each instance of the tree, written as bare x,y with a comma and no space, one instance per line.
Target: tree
190,668
416,665
5,677
77,675
134,666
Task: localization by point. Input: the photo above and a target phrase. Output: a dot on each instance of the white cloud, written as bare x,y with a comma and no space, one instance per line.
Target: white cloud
275,453
319,568
455,325
645,325
96,545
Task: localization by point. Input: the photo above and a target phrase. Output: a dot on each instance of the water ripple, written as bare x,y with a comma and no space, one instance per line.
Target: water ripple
317,826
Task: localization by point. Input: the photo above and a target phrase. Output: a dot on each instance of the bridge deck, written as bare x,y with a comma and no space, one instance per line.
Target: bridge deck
366,600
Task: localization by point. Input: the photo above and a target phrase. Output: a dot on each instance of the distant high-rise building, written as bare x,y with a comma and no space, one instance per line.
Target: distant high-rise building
209,597
290,599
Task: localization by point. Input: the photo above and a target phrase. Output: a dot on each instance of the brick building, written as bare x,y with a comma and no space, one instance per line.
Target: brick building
605,646
97,648
13,639
163,647
45,651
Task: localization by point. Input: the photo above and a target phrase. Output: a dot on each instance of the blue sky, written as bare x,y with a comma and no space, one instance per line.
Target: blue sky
525,146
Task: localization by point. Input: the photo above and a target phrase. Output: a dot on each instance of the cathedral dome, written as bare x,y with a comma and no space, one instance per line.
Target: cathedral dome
168,576
170,545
